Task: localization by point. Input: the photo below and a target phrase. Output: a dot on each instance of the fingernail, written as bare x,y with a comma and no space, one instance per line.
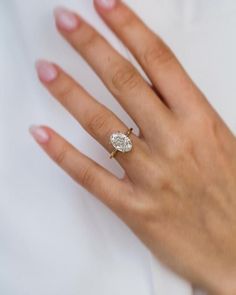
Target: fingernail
106,4
65,19
39,134
47,72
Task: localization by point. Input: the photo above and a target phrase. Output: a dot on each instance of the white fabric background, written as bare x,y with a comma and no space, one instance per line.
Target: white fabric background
55,237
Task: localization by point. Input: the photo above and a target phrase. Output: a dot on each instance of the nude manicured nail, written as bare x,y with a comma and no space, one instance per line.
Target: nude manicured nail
39,134
65,19
47,72
107,4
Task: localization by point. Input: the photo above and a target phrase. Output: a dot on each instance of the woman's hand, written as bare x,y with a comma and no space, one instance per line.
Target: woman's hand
179,190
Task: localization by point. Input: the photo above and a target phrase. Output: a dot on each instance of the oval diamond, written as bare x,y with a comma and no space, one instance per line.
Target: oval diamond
121,142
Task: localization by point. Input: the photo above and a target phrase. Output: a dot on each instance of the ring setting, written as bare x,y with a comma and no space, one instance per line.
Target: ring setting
121,142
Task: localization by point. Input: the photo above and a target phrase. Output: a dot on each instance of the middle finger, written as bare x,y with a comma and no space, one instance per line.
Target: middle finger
120,77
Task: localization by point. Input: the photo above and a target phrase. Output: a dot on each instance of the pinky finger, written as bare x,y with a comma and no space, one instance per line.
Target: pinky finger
82,169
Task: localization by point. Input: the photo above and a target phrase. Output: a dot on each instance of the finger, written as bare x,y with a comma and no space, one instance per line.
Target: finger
155,57
95,118
118,74
82,169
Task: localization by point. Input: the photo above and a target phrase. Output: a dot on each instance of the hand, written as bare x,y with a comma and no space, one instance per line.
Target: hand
179,190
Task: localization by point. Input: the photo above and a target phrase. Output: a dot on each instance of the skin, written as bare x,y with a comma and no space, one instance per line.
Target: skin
178,193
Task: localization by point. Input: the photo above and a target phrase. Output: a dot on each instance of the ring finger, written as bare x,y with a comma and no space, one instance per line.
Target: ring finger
96,119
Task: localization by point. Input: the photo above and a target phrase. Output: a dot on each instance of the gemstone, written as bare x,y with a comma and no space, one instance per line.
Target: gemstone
121,142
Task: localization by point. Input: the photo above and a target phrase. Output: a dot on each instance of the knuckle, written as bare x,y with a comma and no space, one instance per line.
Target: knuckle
125,77
184,153
158,54
99,122
61,156
65,92
128,20
214,133
210,123
178,148
90,41
86,177
147,211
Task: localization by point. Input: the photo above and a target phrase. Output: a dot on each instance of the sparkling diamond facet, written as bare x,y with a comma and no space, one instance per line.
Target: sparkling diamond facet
121,142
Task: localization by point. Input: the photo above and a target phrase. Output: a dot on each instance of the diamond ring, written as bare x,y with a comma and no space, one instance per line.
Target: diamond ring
121,142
